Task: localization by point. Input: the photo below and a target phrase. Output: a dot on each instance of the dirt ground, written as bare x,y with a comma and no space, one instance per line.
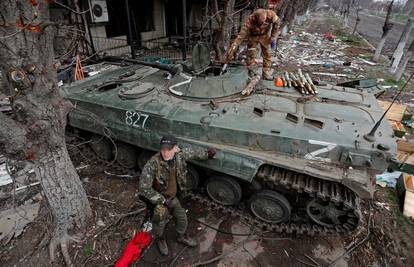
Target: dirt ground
388,242
370,27
385,238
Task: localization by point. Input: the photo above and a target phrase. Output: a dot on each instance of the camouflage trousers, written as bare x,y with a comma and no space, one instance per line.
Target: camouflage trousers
252,46
159,221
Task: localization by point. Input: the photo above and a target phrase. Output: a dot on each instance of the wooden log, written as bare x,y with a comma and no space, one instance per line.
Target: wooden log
252,84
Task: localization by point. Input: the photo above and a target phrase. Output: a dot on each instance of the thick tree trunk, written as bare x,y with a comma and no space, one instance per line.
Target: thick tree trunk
408,6
347,8
399,51
225,29
380,46
36,130
63,189
403,65
356,22
386,29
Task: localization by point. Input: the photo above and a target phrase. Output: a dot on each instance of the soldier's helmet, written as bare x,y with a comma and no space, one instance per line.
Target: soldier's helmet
168,141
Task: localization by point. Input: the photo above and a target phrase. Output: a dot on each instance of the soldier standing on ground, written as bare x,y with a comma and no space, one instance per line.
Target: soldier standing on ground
161,179
256,30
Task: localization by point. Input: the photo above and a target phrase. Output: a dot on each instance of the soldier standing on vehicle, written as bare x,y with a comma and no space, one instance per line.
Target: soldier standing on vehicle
161,178
256,30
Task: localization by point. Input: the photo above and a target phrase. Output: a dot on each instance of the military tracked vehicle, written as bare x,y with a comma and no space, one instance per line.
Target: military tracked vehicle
297,163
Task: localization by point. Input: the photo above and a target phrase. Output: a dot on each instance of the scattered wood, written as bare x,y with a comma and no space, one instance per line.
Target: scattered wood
26,186
101,199
398,127
409,195
330,74
367,62
405,146
396,113
118,175
250,87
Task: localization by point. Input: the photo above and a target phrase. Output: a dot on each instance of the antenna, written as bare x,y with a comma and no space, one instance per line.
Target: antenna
371,135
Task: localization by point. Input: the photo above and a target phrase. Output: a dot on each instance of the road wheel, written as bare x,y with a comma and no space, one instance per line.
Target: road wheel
223,190
143,158
126,155
102,147
326,213
193,178
270,206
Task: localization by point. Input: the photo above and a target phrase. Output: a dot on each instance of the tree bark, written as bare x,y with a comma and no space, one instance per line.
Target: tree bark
36,129
408,6
357,20
403,65
288,10
399,51
225,29
346,10
386,29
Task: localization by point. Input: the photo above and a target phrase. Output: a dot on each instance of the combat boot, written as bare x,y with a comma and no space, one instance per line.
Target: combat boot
162,246
251,70
186,240
267,74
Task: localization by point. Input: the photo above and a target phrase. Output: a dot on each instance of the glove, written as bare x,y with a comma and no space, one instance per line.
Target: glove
223,69
273,44
160,211
211,152
168,203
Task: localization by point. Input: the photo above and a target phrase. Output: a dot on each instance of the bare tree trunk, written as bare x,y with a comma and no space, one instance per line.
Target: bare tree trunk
399,51
347,8
386,29
225,29
403,65
408,6
36,129
380,46
357,20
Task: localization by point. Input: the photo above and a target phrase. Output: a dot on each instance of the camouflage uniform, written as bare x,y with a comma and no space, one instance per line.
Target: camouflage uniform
255,35
154,182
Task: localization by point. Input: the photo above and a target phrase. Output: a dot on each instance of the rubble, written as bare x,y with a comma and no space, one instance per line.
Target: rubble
316,52
5,178
5,104
14,220
388,179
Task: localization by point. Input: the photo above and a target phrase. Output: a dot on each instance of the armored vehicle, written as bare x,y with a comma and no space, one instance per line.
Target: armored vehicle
296,163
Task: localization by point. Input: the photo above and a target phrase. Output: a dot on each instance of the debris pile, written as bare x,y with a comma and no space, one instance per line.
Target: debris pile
325,55
15,179
396,116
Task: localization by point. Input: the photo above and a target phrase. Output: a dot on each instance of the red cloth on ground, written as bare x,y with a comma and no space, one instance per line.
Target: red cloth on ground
133,249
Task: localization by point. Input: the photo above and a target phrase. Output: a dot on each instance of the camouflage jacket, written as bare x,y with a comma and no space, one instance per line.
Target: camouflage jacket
150,172
250,28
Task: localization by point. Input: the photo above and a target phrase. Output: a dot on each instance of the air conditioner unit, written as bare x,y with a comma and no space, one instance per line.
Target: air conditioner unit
99,11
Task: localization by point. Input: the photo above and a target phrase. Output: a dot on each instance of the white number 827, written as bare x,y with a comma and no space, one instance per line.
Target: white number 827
135,119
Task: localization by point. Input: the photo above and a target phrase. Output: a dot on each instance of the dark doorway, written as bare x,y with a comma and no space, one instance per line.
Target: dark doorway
141,13
174,17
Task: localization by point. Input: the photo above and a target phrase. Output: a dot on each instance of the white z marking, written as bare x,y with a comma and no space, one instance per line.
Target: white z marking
314,155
